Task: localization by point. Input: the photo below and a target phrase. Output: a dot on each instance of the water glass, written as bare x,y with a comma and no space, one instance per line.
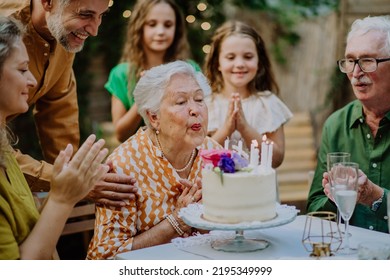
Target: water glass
332,158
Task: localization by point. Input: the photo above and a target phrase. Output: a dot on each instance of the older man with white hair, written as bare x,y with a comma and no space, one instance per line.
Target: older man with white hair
362,127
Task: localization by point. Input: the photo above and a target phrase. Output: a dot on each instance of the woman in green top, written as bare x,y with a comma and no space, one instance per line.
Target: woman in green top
24,233
156,34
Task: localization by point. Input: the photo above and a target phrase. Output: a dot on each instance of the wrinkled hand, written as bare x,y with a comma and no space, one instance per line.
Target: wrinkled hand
191,193
365,189
326,186
114,189
73,179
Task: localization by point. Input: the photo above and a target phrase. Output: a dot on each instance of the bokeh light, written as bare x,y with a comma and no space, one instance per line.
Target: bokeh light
205,25
126,14
206,48
201,6
190,19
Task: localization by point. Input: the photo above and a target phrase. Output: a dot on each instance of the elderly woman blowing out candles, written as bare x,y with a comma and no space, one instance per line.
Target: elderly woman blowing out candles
170,98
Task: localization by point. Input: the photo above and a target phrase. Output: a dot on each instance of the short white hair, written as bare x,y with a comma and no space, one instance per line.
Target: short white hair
151,87
377,23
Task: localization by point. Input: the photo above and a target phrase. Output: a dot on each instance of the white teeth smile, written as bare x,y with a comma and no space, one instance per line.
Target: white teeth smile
80,36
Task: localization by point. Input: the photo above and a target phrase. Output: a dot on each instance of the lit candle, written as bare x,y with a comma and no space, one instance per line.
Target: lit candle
226,145
264,152
239,147
254,155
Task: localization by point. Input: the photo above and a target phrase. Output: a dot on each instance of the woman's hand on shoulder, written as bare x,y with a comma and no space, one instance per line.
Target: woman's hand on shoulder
113,189
72,179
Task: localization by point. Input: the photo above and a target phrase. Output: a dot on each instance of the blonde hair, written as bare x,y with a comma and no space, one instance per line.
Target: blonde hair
264,79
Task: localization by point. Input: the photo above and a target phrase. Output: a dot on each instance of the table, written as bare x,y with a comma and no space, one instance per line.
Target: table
285,243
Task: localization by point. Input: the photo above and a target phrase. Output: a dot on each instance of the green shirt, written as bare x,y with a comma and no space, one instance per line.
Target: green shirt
18,213
118,81
347,131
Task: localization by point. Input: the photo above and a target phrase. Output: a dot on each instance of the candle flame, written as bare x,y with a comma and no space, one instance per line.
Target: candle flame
255,143
264,138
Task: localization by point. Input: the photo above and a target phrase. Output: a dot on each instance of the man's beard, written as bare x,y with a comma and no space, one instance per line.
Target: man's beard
57,30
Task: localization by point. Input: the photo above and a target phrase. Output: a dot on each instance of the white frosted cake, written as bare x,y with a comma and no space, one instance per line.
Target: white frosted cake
238,197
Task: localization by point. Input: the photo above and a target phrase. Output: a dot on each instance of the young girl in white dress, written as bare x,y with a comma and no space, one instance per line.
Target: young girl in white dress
244,105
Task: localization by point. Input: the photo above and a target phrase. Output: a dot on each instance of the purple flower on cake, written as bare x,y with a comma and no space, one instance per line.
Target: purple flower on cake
226,164
224,160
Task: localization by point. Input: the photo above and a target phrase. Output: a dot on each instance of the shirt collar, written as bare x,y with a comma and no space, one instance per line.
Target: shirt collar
357,116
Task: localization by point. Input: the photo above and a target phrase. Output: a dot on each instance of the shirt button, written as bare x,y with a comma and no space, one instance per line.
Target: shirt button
46,45
386,217
361,120
374,165
45,54
371,227
368,136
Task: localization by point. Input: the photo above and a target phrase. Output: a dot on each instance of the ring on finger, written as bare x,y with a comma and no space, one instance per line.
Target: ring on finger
193,199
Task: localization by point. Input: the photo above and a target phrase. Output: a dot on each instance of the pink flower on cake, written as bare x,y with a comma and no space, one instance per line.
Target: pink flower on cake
223,160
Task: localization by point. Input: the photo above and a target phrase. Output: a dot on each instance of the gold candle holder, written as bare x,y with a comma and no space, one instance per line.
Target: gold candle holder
321,236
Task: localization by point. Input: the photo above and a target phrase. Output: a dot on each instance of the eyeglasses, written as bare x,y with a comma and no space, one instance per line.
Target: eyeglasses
367,64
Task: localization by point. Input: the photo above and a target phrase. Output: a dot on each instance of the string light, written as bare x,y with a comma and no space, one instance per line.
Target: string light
201,7
205,25
206,49
190,19
126,14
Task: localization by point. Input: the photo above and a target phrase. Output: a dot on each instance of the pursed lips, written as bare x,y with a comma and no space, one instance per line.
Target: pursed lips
196,127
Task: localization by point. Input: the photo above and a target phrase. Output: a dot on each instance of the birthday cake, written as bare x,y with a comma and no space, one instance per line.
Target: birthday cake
234,191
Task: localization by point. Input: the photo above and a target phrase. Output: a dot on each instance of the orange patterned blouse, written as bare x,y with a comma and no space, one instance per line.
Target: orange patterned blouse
158,189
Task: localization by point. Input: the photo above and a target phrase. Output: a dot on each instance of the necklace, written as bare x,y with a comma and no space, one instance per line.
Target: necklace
188,163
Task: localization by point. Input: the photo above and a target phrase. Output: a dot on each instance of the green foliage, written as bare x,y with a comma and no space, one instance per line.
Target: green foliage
286,14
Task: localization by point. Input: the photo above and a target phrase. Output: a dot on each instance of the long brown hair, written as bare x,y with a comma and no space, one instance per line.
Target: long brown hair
264,79
133,49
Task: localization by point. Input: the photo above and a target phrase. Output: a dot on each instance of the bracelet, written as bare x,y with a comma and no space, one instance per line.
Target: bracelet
171,219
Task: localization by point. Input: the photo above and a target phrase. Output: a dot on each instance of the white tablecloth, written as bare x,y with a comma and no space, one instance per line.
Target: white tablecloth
285,242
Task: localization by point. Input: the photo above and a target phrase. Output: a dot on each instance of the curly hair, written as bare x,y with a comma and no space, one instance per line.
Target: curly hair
264,79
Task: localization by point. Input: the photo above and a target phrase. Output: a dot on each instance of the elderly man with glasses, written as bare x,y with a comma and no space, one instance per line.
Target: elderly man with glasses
362,127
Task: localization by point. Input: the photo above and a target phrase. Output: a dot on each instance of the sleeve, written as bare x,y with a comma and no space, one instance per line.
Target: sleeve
57,117
37,173
317,200
117,84
269,114
195,65
115,229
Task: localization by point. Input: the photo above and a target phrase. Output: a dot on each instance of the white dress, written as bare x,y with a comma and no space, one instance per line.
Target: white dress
263,111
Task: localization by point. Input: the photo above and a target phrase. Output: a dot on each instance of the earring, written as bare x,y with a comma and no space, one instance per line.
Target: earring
157,132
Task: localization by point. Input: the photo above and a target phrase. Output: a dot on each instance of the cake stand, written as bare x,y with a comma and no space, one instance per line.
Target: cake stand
193,215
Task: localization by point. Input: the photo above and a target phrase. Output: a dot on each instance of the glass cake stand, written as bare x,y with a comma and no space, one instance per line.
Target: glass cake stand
193,216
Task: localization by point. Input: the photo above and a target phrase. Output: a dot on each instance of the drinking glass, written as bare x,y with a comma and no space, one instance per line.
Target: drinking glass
344,178
332,158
